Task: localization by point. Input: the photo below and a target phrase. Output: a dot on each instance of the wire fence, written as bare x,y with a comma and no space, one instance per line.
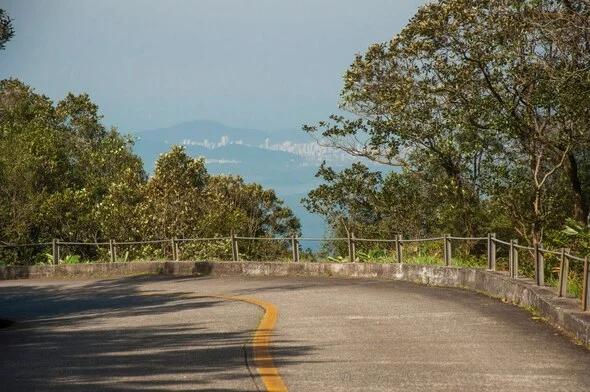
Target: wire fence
518,260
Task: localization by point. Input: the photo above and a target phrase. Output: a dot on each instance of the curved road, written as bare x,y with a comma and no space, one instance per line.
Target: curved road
154,334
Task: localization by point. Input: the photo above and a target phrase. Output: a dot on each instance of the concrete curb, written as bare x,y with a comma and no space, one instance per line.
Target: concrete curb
563,313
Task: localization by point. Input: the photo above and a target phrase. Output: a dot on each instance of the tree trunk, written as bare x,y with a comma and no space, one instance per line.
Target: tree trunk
580,201
453,171
536,229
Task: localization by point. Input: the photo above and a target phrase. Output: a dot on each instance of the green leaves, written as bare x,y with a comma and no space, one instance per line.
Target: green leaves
347,198
579,235
481,101
6,29
64,175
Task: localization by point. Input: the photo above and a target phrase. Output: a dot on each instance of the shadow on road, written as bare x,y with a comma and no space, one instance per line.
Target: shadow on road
72,339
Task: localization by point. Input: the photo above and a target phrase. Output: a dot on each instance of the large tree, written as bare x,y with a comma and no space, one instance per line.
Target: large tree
182,200
471,89
57,164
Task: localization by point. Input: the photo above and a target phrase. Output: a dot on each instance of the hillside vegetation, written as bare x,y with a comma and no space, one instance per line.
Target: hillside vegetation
64,175
484,106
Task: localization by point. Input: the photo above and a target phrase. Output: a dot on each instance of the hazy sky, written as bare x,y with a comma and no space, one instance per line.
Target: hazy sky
264,64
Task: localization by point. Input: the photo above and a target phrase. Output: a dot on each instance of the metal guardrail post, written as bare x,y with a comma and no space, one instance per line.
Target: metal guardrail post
448,250
349,245
398,248
173,249
541,268
58,251
295,248
112,250
493,252
234,247
511,259
55,251
489,250
585,291
563,273
445,250
515,259
352,247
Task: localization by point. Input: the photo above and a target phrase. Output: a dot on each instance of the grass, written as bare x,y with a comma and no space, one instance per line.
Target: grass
574,283
425,260
464,262
74,259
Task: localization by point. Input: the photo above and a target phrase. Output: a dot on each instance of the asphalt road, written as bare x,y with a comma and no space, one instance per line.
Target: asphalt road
332,335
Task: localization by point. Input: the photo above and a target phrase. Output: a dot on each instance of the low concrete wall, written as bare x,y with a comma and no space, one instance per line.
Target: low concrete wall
91,270
563,313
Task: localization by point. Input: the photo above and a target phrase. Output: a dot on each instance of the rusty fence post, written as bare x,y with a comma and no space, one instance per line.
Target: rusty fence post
447,249
511,259
55,252
398,248
112,250
295,247
489,251
234,247
450,249
177,249
563,272
493,251
541,266
585,291
58,251
515,259
352,247
349,245
173,248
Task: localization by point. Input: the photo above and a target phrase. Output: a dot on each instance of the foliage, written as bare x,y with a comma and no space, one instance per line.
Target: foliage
57,163
71,259
374,255
210,250
482,107
6,29
337,259
579,236
425,260
64,175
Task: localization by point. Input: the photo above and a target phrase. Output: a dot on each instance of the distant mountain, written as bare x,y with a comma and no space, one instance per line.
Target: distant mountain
283,160
213,131
213,136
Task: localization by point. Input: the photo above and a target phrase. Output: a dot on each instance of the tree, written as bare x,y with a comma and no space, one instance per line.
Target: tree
252,211
174,199
32,158
64,175
57,165
465,86
6,29
182,200
348,198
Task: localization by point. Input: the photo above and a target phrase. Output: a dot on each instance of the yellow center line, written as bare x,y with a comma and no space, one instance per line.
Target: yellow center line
260,342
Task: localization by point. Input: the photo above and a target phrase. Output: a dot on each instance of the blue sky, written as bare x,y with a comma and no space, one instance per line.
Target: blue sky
264,64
